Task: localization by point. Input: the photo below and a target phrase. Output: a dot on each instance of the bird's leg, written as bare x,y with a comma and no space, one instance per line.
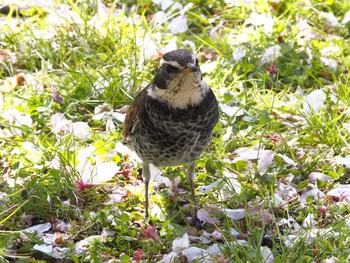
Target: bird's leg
146,174
190,177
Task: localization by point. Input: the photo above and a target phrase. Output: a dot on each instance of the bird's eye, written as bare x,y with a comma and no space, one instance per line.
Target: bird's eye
197,61
171,69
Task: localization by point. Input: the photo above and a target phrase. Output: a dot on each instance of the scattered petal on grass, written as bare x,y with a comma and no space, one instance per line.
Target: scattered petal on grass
57,97
207,188
178,24
271,54
234,232
126,151
272,69
107,233
343,161
330,19
206,217
164,4
159,17
80,186
314,176
278,200
238,54
63,226
39,229
231,110
267,254
60,124
346,18
235,214
264,20
193,253
329,62
274,137
104,172
208,67
83,245
309,221
81,130
214,249
159,179
150,232
287,159
138,255
265,160
169,258
47,249
315,193
55,252
314,102
119,116
181,243
341,190
227,134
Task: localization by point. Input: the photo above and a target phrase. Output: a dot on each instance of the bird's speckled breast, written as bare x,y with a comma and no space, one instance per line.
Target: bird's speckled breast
169,136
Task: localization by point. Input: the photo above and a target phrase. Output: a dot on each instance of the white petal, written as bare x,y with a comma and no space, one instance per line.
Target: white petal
214,249
320,176
193,253
271,54
159,17
205,217
40,229
346,18
234,232
341,190
265,160
309,221
231,110
235,214
104,172
246,153
208,66
317,194
238,54
169,258
278,200
343,160
159,179
47,249
180,244
207,188
314,102
331,19
110,126
81,130
287,159
267,254
178,24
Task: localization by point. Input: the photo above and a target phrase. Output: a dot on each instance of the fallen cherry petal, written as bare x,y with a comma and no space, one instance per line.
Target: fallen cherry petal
205,216
150,232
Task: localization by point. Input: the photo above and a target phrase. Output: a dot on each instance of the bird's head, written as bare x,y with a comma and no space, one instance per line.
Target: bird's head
179,80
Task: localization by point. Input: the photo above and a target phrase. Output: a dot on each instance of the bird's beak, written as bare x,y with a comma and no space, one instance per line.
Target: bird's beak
189,68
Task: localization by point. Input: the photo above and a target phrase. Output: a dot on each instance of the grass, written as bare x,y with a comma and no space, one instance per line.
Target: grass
86,62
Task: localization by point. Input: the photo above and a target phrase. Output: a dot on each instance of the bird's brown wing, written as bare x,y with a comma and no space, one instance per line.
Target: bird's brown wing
133,114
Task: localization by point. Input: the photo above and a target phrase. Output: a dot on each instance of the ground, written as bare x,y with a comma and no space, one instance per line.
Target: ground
273,186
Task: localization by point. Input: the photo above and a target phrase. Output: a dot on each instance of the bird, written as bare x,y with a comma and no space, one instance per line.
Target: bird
171,121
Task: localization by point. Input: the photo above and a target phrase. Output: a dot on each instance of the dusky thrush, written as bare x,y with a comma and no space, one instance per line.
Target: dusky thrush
171,121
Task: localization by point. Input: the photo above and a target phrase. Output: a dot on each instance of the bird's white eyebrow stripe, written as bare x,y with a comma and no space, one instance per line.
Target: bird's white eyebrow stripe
173,63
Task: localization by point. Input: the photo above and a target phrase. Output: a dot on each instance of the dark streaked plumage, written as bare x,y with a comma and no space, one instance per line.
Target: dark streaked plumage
171,121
